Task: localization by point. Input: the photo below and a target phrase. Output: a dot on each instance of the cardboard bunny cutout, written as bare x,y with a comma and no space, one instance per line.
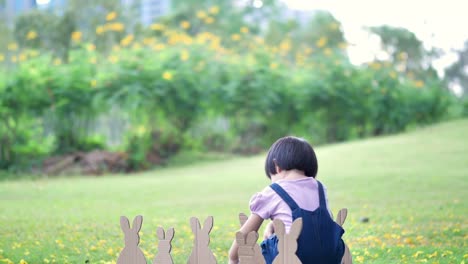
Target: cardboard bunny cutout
201,253
258,257
340,219
287,245
246,245
164,246
131,253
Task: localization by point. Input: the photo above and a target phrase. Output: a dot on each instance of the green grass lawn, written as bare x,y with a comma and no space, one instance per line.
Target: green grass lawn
413,188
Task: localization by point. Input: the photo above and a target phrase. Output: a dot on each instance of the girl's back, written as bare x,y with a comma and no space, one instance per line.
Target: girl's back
269,205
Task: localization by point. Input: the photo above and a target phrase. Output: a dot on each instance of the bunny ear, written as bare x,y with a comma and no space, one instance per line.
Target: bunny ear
240,238
160,233
137,223
279,227
242,218
195,224
341,217
296,229
124,224
252,238
208,224
170,234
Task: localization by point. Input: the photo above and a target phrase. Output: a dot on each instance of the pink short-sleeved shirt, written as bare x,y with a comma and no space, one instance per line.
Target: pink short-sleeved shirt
268,205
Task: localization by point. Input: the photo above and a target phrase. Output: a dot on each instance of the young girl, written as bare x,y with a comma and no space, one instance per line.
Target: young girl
291,163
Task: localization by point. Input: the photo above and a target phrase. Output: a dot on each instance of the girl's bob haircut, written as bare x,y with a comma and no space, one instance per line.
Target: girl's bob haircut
291,153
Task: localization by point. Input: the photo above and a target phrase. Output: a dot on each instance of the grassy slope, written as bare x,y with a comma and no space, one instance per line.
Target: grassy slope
412,187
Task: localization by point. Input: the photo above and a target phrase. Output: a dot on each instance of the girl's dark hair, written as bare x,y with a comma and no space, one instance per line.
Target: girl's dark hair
291,153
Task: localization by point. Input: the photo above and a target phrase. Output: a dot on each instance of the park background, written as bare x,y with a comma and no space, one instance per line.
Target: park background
166,109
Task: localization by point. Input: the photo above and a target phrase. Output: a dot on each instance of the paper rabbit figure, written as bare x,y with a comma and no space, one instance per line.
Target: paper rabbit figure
131,253
246,245
201,253
164,246
258,256
340,219
287,243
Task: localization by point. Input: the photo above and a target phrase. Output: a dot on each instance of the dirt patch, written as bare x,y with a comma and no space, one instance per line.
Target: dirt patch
91,163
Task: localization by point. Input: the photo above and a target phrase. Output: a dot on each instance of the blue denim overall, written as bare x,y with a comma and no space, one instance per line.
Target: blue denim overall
320,239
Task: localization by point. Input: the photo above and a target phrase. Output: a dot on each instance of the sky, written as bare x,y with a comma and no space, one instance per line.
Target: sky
442,24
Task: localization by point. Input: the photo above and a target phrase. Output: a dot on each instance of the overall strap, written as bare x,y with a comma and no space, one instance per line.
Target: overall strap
285,196
321,196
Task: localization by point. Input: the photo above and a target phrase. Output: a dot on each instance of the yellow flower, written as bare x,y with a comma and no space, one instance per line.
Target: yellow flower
110,251
402,56
31,35
91,47
235,37
334,26
244,30
76,36
167,76
100,30
419,84
14,59
285,45
343,45
322,42
184,55
201,14
209,20
328,51
185,24
111,16
2,57
158,46
92,60
22,57
22,261
375,65
12,46
273,65
93,83
57,61
116,26
113,59
157,27
127,40
148,41
33,53
214,10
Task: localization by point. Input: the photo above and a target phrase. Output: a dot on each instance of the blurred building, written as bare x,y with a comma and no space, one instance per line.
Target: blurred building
148,10
54,5
9,9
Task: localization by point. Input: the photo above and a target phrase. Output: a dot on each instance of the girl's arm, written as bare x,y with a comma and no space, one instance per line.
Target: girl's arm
269,230
252,224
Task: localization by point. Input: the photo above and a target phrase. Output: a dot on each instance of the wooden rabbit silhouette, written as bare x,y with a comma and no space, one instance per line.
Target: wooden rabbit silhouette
340,219
164,246
131,254
246,245
258,256
201,253
287,243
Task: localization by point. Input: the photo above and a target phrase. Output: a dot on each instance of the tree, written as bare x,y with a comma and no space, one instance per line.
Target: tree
323,30
406,51
457,73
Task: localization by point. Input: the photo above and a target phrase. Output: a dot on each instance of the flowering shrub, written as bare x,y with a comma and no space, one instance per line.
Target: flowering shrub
182,86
